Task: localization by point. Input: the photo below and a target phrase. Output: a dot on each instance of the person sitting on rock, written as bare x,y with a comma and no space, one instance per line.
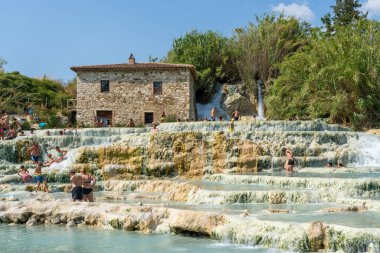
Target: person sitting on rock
60,154
18,124
77,190
154,129
50,160
24,173
131,123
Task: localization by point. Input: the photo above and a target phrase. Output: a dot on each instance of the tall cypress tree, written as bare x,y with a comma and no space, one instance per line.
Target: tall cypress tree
345,12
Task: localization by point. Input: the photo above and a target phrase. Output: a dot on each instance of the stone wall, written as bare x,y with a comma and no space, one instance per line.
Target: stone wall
131,94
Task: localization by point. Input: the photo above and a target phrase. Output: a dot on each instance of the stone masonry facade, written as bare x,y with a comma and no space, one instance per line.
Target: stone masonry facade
131,92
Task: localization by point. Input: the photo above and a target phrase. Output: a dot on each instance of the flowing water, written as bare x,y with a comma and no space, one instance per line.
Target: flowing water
59,239
203,110
201,168
260,101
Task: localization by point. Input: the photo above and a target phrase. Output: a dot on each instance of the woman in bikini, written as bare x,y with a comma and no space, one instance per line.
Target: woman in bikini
290,162
88,181
60,154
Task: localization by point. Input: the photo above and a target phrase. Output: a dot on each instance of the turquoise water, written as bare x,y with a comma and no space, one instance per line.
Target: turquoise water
19,238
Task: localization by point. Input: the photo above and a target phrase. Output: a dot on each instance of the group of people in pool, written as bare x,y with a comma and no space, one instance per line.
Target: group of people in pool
39,178
291,161
35,154
82,183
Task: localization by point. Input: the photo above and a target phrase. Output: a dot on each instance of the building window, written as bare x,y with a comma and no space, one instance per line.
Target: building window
148,118
104,86
157,88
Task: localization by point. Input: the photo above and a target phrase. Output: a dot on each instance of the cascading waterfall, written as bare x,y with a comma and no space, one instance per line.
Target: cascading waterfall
367,150
204,110
260,98
276,203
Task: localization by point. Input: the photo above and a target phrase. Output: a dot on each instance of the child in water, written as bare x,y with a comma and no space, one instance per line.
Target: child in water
24,173
40,178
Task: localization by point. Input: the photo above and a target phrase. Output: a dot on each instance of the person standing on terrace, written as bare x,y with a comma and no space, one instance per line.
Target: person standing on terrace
213,113
236,115
40,179
34,152
88,181
163,117
77,190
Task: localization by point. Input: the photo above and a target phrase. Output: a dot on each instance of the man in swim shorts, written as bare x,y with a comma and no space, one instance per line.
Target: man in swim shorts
40,178
77,190
34,152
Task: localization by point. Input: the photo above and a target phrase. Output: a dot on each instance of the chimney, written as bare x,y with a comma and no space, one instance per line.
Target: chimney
132,59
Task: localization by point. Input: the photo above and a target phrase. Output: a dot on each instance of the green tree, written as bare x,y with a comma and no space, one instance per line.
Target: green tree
71,88
2,63
44,95
346,12
335,77
260,47
208,53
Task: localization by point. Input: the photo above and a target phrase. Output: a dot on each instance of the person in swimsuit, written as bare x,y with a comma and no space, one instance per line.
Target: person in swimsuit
212,113
131,123
18,124
24,173
6,121
77,190
231,126
34,152
290,162
236,115
88,181
50,160
60,154
11,134
163,117
40,178
154,129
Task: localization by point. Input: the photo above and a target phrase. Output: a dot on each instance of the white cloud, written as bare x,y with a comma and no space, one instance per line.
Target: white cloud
372,6
297,10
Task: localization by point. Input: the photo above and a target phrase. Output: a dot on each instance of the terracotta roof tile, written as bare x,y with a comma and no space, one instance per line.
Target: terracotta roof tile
137,66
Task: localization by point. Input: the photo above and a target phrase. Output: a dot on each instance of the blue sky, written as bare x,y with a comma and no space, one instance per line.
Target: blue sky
46,37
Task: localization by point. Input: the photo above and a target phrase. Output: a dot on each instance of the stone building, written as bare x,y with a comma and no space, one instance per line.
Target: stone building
113,94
